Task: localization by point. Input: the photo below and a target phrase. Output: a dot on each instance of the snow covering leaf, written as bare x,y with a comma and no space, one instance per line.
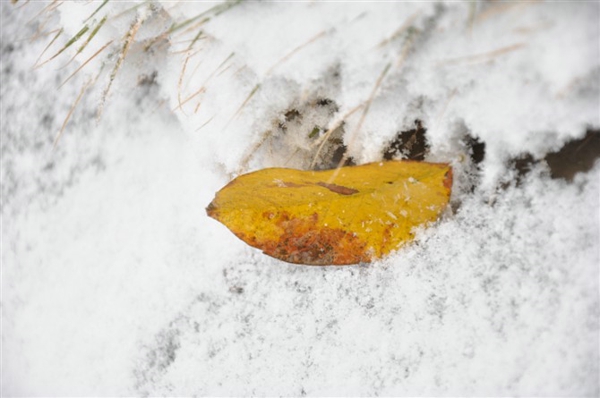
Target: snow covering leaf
335,217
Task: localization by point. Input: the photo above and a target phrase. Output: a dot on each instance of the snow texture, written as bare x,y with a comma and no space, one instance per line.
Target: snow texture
115,281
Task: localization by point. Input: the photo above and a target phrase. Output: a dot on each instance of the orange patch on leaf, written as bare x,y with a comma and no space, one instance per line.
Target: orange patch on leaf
303,242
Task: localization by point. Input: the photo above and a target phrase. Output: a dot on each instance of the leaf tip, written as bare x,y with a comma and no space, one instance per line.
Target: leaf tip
211,210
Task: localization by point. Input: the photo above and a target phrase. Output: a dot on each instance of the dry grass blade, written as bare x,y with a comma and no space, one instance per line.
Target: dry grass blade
221,65
216,10
188,99
214,72
127,43
373,92
195,39
42,21
190,28
175,27
323,139
239,70
200,62
62,129
224,70
69,43
180,82
58,33
128,10
407,24
47,9
40,33
481,57
206,122
362,118
165,34
254,90
405,48
226,6
246,159
295,50
471,16
85,63
89,39
501,7
203,86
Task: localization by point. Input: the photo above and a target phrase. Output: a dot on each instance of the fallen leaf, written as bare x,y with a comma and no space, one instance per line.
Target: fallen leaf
336,217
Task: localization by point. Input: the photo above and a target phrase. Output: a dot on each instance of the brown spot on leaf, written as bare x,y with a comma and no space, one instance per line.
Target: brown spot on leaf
268,215
448,179
305,242
387,234
338,188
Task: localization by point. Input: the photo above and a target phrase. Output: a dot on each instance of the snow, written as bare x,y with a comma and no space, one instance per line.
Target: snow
115,282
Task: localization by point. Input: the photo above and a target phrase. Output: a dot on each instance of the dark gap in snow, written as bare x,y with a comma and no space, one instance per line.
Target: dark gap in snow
523,164
476,149
411,144
236,289
327,102
298,131
575,156
148,79
338,155
292,114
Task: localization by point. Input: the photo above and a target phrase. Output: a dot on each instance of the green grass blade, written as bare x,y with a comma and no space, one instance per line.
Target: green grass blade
69,43
95,12
92,34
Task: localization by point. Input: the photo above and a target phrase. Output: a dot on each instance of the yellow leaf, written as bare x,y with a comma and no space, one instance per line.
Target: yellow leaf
335,217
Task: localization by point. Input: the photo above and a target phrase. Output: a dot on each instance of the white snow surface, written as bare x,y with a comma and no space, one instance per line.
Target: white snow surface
116,282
